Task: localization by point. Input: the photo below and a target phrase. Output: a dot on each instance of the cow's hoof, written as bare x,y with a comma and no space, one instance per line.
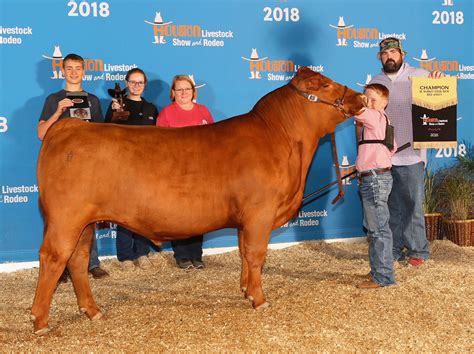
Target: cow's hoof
263,306
42,331
97,316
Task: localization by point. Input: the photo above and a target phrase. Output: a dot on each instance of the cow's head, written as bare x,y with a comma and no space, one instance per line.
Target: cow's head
319,89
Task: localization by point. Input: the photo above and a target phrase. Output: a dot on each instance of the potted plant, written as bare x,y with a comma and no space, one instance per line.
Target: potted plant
457,200
466,160
433,218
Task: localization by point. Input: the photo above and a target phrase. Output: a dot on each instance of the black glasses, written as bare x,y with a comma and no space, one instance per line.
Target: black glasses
136,83
182,90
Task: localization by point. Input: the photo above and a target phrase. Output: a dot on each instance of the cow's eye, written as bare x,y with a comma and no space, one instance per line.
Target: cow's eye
326,85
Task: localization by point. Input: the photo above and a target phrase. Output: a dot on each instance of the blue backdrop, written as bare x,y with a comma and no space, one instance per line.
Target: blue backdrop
237,51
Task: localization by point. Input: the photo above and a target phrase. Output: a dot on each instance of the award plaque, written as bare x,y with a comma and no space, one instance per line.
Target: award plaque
81,107
434,112
119,114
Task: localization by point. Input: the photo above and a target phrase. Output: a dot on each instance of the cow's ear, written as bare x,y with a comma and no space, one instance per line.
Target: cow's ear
303,69
313,83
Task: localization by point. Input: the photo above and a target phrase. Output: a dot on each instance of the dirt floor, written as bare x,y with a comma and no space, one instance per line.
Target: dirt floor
311,287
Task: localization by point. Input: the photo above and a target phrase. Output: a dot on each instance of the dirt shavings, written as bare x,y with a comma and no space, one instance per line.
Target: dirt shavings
315,306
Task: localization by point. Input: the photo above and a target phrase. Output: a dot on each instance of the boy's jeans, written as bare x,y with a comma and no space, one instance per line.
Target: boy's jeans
374,190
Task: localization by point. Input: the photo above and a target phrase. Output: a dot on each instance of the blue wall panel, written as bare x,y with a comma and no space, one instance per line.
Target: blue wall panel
213,41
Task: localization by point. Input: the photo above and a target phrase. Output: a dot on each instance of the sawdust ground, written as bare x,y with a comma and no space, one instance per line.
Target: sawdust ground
311,287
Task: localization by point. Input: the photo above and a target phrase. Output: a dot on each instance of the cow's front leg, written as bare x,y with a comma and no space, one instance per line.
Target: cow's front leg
52,263
255,243
78,268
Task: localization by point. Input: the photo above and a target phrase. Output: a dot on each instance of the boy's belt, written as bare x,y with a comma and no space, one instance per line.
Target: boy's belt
378,171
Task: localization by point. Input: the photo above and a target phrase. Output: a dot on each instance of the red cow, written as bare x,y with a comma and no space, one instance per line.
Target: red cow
247,172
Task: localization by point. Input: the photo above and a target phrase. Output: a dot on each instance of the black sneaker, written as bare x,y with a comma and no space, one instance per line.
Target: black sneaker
184,263
198,263
98,273
64,277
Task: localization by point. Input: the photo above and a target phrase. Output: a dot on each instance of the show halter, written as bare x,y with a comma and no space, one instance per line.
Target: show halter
338,103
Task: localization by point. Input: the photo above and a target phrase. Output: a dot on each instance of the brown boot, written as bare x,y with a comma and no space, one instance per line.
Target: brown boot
369,284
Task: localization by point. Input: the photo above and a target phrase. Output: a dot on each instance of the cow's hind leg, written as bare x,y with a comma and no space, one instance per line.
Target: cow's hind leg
255,242
244,273
54,254
78,268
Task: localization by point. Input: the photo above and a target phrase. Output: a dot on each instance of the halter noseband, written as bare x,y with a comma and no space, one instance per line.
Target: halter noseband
338,103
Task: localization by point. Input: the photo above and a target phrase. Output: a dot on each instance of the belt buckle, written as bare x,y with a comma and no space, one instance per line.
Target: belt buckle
372,172
383,170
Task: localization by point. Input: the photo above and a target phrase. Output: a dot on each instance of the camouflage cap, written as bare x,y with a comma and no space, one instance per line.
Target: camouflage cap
390,43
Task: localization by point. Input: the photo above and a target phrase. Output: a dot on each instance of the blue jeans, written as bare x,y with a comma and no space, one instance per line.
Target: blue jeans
407,219
188,248
130,246
94,256
374,191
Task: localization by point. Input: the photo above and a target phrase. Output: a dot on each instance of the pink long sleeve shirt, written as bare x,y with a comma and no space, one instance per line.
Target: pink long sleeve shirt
373,156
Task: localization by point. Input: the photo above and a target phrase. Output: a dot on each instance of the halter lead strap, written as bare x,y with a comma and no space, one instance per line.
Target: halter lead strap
339,105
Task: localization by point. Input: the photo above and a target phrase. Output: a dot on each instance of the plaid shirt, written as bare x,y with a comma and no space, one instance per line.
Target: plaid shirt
399,111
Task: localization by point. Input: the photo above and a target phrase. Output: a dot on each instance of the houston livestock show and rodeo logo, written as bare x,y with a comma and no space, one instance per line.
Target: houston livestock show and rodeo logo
432,63
273,69
360,37
448,66
95,69
186,35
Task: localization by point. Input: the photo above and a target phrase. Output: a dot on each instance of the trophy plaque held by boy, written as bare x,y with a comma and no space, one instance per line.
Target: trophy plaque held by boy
81,108
119,114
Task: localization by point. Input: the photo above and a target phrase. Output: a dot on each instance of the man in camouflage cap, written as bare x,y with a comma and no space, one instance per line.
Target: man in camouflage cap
391,50
406,199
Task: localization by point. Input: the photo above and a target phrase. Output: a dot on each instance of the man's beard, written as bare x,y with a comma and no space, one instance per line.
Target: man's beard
391,66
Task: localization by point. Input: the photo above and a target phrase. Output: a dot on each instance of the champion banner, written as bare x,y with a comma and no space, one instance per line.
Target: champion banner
434,112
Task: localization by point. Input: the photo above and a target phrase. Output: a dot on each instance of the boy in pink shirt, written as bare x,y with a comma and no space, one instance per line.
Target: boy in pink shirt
375,184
